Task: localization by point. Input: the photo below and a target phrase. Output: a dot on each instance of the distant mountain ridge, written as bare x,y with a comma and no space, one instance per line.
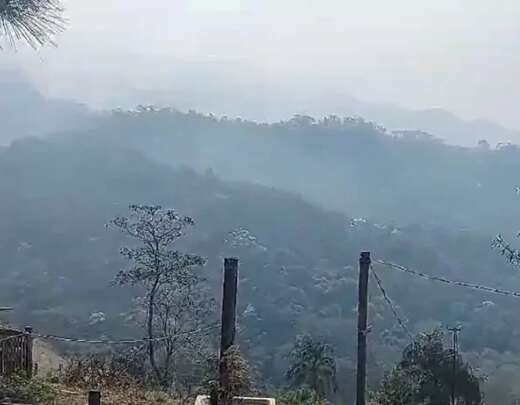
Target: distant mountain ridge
441,123
261,107
349,165
24,111
19,100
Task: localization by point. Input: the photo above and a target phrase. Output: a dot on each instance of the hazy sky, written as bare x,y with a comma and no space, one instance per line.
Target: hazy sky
462,55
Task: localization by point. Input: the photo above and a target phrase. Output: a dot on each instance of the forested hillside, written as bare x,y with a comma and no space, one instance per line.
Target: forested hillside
298,261
347,165
266,236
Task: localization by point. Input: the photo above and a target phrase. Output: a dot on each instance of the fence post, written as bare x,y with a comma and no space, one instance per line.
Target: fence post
94,398
29,351
364,266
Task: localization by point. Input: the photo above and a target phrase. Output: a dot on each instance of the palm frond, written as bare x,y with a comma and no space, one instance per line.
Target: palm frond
34,21
312,364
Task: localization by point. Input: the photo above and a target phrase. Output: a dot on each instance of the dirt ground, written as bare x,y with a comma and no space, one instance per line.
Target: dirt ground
47,357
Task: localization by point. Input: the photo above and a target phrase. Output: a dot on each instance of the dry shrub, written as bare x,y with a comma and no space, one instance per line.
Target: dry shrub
105,371
235,378
118,396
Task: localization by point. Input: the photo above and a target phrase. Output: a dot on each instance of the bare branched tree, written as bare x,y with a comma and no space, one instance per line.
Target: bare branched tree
166,275
181,308
35,22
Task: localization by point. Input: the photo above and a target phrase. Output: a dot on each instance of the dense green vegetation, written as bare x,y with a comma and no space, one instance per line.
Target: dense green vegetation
298,261
347,165
312,364
429,373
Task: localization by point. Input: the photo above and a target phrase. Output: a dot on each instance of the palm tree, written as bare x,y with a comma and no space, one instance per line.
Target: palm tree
313,365
32,21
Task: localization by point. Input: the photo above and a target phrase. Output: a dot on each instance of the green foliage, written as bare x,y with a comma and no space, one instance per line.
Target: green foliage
301,396
312,364
20,388
396,389
427,374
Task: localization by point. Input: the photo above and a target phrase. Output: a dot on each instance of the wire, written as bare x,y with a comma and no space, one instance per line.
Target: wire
5,339
463,284
124,341
399,320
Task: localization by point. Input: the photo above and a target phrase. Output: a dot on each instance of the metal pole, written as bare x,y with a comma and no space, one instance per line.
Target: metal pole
455,349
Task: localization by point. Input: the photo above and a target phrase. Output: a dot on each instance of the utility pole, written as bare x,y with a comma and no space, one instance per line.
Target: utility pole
94,398
228,325
455,333
229,304
364,266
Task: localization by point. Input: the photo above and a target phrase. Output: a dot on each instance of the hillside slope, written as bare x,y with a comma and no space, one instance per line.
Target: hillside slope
298,268
346,165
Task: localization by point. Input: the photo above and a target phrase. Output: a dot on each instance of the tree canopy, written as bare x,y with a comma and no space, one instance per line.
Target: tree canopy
167,277
430,374
312,364
35,22
298,260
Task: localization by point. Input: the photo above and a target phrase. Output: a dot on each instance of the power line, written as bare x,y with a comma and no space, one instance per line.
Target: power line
463,284
390,303
123,341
